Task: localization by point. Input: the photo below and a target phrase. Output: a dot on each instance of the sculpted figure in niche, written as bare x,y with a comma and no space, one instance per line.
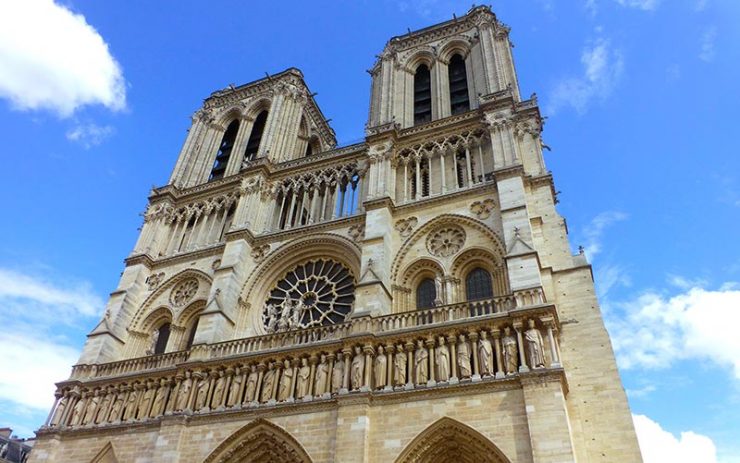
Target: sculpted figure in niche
443,361
130,412
184,393
145,403
78,411
463,357
100,413
159,399
337,375
153,342
304,376
272,319
268,383
201,391
381,372
322,375
115,410
286,381
218,390
485,354
296,316
284,322
249,394
399,366
59,411
358,368
236,386
92,403
421,363
510,352
533,338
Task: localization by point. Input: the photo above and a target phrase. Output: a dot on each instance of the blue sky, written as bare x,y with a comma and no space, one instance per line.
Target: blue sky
640,95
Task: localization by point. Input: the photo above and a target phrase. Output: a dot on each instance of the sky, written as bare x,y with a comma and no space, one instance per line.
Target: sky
639,95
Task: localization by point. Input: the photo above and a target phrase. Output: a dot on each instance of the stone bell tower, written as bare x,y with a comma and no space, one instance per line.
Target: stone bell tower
409,298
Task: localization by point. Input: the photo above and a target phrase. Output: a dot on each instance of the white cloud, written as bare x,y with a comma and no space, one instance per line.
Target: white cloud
602,69
594,231
37,315
52,59
90,134
708,39
660,446
640,4
655,330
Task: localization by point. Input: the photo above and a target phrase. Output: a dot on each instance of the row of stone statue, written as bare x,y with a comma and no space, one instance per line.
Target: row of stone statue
423,362
284,316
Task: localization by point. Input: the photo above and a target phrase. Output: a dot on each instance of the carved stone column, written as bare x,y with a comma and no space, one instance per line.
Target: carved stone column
474,346
347,353
496,334
389,350
520,344
432,362
369,351
554,354
452,343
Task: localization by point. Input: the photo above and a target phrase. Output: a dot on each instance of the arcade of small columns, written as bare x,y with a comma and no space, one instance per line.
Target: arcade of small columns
490,350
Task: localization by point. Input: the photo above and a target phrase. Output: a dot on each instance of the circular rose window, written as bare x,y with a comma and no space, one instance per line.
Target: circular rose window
319,292
183,292
446,241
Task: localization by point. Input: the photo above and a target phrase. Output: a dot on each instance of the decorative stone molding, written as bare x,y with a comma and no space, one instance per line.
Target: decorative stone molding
357,232
406,226
446,241
183,292
259,252
154,280
482,209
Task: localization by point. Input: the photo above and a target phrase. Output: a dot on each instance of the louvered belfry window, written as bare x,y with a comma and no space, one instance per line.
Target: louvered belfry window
253,145
422,95
224,151
459,99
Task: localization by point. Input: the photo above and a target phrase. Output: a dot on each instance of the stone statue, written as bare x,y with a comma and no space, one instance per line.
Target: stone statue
92,405
322,375
303,380
77,411
268,382
421,363
399,366
358,369
153,342
297,315
115,410
463,358
130,411
145,403
284,322
249,394
381,371
59,411
236,387
201,392
443,361
218,390
510,352
485,355
438,290
159,399
184,393
286,382
272,318
101,412
337,375
533,338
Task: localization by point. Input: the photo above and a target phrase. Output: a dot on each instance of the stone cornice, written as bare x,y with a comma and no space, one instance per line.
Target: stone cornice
476,190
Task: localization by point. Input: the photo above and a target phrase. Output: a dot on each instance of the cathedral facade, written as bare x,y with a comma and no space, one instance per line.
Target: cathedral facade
410,298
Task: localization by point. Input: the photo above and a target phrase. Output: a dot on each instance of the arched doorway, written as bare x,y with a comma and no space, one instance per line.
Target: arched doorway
448,440
259,442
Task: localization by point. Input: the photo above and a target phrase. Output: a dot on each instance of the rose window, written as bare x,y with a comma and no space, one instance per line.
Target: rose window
319,292
183,292
446,241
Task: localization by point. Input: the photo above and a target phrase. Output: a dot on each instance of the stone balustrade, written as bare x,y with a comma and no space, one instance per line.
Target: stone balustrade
374,356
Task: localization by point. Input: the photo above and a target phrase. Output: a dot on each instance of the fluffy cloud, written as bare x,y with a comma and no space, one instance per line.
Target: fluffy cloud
655,330
708,38
52,59
659,446
89,135
602,69
38,319
594,231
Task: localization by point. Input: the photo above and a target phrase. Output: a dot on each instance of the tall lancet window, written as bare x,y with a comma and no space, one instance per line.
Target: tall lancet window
422,95
253,145
426,293
459,99
224,151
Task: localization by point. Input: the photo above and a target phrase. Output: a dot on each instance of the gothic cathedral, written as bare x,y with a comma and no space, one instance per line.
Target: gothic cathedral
409,298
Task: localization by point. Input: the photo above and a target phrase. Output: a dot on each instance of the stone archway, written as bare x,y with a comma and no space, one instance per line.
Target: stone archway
259,442
449,440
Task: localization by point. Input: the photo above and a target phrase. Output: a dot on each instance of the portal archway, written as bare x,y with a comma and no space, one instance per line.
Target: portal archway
259,442
449,440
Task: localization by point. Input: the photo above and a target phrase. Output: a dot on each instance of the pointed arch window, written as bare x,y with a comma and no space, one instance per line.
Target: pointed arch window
458,77
224,151
253,145
422,95
163,337
478,285
426,294
191,335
